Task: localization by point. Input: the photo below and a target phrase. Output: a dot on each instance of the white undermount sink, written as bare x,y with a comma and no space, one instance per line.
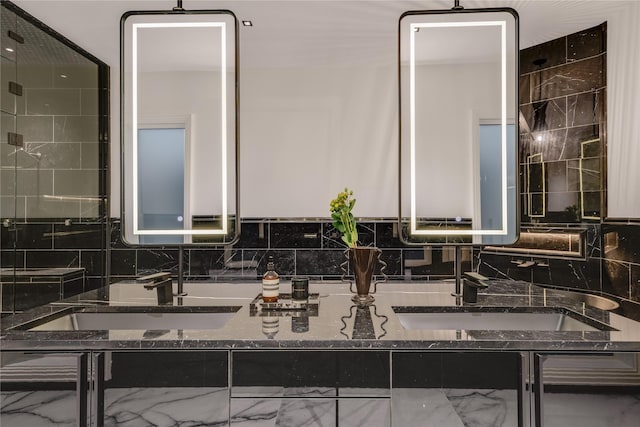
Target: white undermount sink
448,318
214,318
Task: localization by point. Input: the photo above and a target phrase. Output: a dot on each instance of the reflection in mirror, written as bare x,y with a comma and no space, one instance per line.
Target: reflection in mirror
458,132
536,191
590,179
179,81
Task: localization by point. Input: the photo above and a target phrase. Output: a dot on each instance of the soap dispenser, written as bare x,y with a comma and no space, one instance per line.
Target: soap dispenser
270,283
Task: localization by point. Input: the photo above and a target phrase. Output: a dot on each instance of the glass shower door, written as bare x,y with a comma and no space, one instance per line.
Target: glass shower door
9,147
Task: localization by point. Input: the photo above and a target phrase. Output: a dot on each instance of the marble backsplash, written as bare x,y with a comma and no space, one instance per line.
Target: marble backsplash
309,248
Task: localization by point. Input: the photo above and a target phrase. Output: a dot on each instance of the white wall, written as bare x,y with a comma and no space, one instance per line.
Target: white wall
623,113
306,133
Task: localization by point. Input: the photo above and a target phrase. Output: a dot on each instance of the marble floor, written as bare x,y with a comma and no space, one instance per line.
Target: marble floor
190,407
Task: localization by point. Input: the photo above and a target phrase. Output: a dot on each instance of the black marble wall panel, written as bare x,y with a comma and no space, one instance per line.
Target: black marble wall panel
585,44
320,263
562,100
123,263
554,53
295,235
284,259
203,261
153,260
331,236
310,248
254,235
50,244
621,259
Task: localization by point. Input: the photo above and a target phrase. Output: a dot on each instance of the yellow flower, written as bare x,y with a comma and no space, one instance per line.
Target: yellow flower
343,219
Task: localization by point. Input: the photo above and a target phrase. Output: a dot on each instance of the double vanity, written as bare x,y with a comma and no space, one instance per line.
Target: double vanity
404,315
389,362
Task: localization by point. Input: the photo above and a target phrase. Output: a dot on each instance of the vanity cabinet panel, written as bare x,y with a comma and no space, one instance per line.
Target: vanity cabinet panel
328,388
177,387
312,411
318,372
337,388
587,389
457,389
167,369
42,389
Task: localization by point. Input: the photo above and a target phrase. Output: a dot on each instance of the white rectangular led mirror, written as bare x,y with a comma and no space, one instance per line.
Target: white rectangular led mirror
179,127
458,126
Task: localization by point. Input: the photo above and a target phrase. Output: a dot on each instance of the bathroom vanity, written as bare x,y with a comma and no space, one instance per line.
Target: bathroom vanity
417,353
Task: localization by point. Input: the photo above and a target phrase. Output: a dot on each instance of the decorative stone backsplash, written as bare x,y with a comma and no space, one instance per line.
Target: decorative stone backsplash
54,244
309,248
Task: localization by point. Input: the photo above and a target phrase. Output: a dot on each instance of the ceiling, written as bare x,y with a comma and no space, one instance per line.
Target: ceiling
314,32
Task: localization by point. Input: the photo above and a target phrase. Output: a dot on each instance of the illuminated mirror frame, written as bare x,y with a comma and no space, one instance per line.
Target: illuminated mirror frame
129,106
414,27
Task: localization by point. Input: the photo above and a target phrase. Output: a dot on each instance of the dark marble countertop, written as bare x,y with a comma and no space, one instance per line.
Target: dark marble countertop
334,323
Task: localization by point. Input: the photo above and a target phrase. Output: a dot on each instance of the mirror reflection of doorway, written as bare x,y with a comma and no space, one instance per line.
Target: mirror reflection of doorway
161,174
490,161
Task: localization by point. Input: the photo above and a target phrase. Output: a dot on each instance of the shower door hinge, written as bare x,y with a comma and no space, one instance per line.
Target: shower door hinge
15,88
15,36
15,139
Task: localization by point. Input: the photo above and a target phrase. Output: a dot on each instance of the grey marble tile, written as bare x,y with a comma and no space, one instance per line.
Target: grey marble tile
480,408
423,407
306,413
254,412
36,128
364,412
53,101
76,183
38,408
80,75
591,410
173,406
75,129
